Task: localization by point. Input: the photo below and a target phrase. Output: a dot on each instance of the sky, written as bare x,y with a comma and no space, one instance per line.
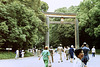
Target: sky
55,4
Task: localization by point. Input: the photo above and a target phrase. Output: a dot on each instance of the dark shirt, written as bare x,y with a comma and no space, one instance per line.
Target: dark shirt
86,56
71,50
85,50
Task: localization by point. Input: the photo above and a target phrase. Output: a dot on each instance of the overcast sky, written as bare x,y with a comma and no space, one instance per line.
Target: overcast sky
55,4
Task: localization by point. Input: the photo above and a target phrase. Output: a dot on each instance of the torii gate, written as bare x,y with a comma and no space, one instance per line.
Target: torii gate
62,16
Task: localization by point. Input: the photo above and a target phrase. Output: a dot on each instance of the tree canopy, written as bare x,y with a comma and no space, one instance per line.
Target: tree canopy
20,24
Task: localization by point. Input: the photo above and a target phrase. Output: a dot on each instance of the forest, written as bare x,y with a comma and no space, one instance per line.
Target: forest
23,24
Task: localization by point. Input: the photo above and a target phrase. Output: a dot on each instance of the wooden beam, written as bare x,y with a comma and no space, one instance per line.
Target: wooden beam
52,14
59,22
64,16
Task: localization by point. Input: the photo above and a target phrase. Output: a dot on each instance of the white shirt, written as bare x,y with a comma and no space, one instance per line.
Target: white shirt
17,52
78,63
93,50
60,49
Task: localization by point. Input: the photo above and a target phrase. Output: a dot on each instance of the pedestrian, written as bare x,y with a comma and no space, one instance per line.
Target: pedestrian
86,56
46,56
22,53
17,54
67,53
51,53
38,52
93,51
79,55
33,52
71,52
64,52
55,50
60,49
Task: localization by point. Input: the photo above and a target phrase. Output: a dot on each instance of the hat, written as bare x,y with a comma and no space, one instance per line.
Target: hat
72,46
84,43
51,47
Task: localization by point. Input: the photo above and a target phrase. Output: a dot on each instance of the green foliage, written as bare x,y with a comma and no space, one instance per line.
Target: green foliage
28,54
97,51
60,34
6,55
18,25
89,16
71,9
61,10
97,31
11,55
33,4
44,6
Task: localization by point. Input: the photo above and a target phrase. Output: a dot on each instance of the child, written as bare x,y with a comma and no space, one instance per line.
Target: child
79,54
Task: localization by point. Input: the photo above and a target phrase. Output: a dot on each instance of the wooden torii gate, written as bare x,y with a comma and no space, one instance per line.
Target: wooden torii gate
62,16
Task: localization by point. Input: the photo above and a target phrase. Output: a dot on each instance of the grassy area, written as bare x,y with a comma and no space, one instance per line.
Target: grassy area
7,55
28,54
97,51
11,55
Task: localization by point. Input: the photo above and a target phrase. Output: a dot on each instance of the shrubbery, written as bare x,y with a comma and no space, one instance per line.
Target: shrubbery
11,55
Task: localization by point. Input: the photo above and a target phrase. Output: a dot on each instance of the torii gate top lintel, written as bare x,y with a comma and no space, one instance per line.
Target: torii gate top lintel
64,15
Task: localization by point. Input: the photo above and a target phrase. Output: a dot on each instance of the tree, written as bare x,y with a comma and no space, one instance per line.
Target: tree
18,25
61,10
24,28
89,17
63,33
44,6
73,9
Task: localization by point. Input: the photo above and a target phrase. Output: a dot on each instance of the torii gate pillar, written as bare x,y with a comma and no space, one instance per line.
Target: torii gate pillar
76,34
47,33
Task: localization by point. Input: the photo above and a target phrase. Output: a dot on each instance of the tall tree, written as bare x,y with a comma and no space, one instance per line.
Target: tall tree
44,6
89,17
18,25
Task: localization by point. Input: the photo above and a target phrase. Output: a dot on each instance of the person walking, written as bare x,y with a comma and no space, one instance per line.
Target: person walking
60,49
22,53
71,52
51,53
46,56
67,53
79,55
86,56
93,51
64,52
17,54
38,52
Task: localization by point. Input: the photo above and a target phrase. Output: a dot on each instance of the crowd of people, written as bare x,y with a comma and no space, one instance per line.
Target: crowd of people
79,56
